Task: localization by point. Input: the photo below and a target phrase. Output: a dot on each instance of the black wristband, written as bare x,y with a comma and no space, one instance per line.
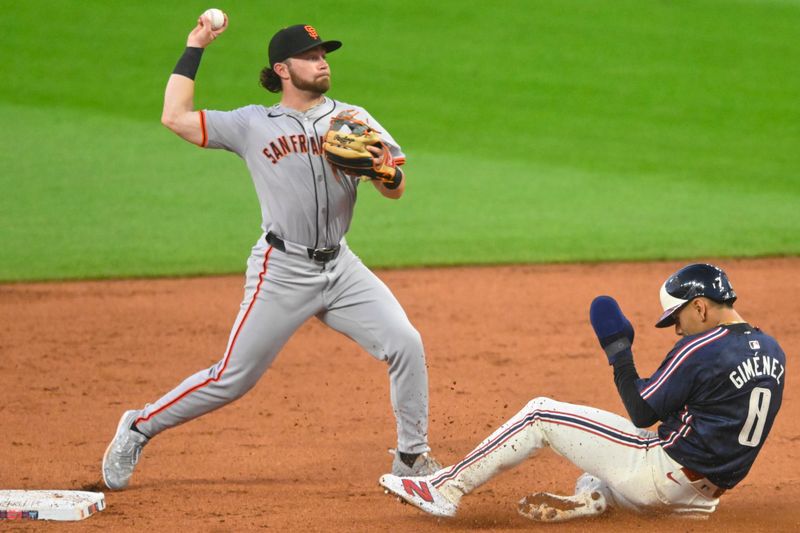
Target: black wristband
616,347
395,183
189,62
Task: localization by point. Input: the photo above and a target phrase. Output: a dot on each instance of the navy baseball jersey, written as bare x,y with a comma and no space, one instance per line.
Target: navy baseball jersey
717,394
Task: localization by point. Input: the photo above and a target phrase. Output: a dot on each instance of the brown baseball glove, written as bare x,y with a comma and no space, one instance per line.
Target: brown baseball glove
345,148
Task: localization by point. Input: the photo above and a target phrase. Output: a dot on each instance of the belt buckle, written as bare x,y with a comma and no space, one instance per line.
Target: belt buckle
323,255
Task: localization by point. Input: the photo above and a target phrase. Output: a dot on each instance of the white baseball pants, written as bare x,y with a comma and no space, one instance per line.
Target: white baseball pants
631,468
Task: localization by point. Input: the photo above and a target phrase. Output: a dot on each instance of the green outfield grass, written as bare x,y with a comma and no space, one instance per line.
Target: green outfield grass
536,131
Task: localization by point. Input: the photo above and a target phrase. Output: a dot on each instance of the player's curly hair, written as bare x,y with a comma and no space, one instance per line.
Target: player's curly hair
270,81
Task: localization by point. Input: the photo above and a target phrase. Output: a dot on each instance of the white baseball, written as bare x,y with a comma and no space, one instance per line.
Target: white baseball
216,17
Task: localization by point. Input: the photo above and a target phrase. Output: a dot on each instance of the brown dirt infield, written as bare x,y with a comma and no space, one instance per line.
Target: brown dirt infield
303,450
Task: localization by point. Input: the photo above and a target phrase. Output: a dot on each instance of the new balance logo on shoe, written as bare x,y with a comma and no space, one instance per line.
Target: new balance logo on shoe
419,492
420,489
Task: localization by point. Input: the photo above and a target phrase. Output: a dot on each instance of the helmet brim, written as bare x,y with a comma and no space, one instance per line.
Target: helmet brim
667,318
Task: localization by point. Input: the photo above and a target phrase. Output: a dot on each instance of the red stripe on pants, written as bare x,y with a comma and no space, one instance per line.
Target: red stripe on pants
230,348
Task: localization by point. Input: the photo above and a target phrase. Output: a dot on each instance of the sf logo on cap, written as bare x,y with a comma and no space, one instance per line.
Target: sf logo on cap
311,32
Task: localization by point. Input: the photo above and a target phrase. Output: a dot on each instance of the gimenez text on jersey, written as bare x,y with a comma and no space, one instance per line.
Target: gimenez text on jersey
756,366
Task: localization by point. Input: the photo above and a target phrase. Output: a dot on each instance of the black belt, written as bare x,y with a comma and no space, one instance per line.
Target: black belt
320,255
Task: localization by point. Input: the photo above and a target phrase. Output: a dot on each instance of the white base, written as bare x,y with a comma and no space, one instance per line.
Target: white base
49,504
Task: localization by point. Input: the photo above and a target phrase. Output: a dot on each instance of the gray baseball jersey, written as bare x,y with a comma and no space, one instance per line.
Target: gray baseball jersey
305,205
301,199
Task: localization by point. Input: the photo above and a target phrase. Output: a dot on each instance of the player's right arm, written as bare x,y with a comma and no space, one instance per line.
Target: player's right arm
179,114
615,333
625,378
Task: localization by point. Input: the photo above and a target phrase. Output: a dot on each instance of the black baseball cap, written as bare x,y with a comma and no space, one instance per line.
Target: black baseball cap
295,40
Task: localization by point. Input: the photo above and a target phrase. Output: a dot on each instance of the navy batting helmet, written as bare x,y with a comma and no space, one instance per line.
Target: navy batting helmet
691,282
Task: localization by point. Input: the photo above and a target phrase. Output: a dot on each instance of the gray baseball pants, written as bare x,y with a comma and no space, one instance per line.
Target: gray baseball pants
282,291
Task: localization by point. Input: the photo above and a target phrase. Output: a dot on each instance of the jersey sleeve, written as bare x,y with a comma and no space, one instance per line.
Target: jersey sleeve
666,391
386,137
226,129
669,388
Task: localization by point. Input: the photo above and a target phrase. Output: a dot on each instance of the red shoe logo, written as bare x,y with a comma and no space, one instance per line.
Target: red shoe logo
420,490
669,475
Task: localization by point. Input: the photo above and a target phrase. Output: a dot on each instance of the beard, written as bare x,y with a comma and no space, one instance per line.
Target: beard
319,85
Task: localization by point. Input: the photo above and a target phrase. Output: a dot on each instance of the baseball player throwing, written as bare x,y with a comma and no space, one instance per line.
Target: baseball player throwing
716,395
301,266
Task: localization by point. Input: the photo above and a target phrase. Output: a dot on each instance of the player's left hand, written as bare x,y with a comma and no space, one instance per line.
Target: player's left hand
377,155
353,147
613,329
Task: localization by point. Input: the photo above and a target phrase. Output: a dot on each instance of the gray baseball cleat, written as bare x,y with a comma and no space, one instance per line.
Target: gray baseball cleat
123,453
546,507
424,465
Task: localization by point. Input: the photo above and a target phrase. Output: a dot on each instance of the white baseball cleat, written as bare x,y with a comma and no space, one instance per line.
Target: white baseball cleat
123,453
546,507
419,492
